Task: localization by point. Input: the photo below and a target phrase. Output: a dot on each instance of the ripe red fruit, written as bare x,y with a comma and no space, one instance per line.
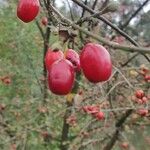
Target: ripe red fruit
100,116
74,58
144,100
27,10
139,94
61,77
44,21
143,112
6,80
95,62
52,56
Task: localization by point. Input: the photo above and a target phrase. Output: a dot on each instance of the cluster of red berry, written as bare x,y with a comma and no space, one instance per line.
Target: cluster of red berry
145,72
141,98
94,61
94,111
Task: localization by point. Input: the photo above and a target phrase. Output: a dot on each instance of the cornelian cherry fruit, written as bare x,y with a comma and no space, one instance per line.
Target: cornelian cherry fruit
95,63
61,77
27,10
52,56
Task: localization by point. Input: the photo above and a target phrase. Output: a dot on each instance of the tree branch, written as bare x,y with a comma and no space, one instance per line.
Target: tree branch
65,130
40,29
100,39
119,125
106,21
133,15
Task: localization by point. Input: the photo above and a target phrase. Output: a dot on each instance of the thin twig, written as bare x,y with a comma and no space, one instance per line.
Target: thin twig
105,21
134,14
119,124
100,39
40,29
71,13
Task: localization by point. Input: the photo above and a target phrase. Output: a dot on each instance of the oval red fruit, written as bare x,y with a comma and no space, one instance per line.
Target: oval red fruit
74,58
52,56
95,62
27,10
61,77
44,21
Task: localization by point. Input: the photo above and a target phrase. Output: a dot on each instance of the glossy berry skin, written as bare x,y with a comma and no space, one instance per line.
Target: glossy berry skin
95,62
74,58
61,77
52,56
44,21
27,10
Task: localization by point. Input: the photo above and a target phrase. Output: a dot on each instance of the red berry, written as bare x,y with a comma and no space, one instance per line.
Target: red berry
45,134
61,77
139,101
6,80
74,58
95,62
147,78
139,94
91,109
143,112
100,115
145,70
144,100
124,145
44,21
52,56
27,10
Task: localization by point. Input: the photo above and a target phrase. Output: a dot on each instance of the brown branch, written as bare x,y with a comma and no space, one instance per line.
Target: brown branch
100,39
46,42
65,130
110,24
106,21
94,4
71,13
104,4
119,125
126,24
83,11
40,29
